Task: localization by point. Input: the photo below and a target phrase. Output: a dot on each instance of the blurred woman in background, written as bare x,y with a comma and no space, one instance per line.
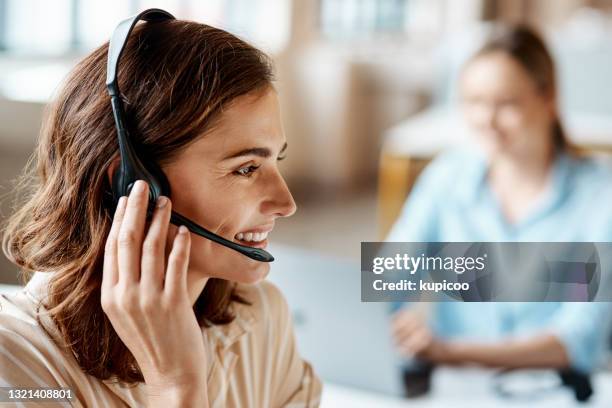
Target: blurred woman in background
521,183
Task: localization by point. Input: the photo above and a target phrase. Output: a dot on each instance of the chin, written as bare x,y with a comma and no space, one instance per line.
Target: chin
253,274
245,272
494,149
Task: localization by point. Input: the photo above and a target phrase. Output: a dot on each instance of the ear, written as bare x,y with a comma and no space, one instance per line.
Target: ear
111,170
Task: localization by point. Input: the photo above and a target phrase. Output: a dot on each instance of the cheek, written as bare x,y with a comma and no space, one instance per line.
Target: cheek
218,209
207,258
512,119
216,261
476,115
526,126
224,212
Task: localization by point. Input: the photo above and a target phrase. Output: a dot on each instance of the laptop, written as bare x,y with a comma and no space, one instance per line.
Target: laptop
346,341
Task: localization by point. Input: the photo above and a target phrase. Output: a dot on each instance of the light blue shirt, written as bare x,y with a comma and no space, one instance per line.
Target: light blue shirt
452,201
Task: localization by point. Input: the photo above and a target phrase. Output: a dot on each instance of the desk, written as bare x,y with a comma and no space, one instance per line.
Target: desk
464,388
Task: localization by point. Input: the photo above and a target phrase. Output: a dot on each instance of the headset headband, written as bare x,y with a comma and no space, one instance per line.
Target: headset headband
119,39
131,167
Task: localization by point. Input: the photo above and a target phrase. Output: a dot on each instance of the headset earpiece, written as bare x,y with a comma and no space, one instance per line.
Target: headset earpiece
131,169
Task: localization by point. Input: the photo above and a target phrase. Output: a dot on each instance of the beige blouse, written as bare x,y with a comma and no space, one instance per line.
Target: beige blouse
255,362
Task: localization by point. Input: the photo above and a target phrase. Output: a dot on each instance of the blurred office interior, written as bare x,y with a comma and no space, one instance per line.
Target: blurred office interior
367,89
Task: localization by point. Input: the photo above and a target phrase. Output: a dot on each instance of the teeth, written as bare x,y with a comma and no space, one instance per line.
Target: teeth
251,236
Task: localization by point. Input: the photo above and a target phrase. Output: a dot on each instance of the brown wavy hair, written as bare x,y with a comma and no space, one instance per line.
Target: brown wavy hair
176,77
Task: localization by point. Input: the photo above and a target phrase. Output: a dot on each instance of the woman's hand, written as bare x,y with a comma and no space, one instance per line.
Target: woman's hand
148,304
413,337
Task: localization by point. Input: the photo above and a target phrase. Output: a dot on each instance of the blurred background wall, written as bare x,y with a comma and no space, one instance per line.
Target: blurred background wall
348,71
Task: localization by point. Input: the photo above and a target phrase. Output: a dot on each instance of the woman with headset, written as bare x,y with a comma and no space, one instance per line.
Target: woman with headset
149,254
521,182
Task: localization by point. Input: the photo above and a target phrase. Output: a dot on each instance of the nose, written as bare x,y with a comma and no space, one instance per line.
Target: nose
492,118
280,202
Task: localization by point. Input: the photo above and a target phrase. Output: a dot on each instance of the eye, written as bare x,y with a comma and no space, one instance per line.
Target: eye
246,171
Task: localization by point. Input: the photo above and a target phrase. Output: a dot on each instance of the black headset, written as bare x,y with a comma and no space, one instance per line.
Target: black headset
131,167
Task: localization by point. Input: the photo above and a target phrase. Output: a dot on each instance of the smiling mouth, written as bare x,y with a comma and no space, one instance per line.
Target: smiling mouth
252,238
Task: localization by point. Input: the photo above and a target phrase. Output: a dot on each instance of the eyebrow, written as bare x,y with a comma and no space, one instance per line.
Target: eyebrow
255,151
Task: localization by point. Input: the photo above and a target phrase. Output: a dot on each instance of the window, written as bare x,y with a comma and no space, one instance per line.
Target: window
43,27
345,19
36,26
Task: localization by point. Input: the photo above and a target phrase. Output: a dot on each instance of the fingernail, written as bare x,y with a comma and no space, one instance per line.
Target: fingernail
138,187
182,229
162,201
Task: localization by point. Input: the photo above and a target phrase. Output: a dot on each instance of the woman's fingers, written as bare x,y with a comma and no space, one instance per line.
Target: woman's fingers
417,342
404,321
178,261
136,258
407,333
410,332
131,233
110,273
153,247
